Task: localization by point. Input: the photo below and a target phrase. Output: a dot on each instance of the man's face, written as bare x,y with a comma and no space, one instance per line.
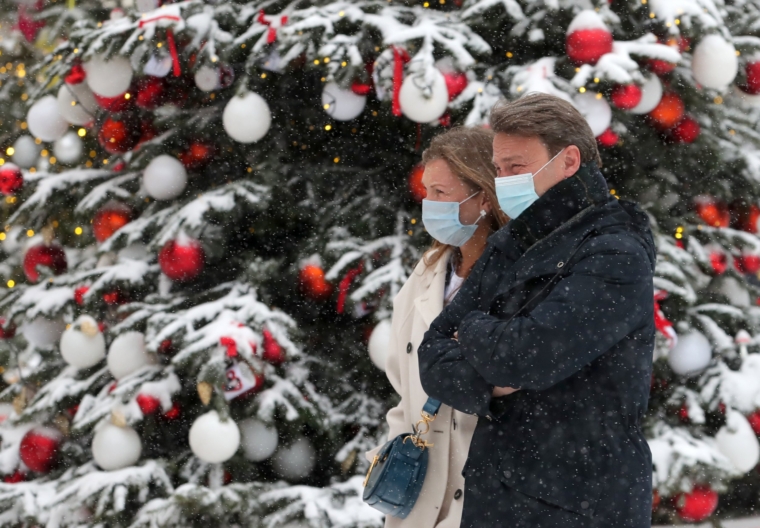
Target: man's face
513,155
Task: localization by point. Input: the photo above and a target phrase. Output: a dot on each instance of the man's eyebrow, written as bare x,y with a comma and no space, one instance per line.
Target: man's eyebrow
516,157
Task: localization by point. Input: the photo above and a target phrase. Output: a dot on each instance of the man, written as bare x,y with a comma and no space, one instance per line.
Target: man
559,307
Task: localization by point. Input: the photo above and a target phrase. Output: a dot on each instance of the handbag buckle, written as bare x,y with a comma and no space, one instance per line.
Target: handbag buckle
371,467
418,431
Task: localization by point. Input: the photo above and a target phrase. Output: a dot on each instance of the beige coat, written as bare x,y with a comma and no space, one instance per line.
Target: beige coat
414,308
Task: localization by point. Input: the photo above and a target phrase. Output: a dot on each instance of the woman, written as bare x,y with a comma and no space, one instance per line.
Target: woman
460,212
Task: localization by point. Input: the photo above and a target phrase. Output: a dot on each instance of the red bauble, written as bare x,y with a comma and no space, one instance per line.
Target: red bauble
11,179
173,413
313,284
668,111
748,263
79,294
752,84
119,103
608,138
51,256
683,413
166,347
182,260
586,46
118,137
626,96
360,88
456,82
39,449
273,352
418,190
148,404
655,499
750,219
109,219
712,212
6,331
660,67
14,478
114,297
686,131
697,505
719,262
754,422
150,92
197,155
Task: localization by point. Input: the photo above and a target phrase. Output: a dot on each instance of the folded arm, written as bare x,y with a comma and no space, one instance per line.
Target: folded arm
607,295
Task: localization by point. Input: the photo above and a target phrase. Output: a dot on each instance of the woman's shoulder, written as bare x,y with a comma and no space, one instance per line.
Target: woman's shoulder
420,276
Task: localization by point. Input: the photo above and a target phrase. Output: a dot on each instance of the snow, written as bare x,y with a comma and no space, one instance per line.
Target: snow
587,19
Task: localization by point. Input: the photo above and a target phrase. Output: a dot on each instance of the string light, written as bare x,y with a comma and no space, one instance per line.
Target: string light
30,233
78,230
81,132
11,283
582,89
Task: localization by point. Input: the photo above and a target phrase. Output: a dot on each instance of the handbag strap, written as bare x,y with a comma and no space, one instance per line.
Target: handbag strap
431,407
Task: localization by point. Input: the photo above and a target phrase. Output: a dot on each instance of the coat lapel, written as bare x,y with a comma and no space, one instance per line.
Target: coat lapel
430,302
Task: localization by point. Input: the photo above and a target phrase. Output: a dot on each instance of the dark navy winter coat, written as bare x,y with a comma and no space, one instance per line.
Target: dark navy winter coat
559,305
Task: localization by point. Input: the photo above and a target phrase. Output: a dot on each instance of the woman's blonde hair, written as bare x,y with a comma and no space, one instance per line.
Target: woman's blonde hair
468,152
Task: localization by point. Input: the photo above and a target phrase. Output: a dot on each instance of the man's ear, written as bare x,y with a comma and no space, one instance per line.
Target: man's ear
571,161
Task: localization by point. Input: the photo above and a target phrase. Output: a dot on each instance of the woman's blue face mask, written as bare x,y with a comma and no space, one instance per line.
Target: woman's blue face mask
441,219
517,193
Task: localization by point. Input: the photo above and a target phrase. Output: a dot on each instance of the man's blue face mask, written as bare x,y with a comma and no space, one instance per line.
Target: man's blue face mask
441,220
517,193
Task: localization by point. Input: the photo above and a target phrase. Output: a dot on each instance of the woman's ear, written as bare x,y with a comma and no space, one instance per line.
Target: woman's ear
485,205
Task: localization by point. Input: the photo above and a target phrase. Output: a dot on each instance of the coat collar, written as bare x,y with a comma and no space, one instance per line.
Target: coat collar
585,188
430,302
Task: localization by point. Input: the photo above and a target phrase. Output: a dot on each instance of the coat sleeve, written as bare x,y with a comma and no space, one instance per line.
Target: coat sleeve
607,294
444,372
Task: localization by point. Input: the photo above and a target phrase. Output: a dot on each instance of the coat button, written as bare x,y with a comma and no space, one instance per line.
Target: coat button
409,348
508,474
458,494
560,264
584,505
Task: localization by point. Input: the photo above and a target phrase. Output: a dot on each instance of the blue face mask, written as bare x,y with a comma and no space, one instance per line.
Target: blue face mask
441,220
517,193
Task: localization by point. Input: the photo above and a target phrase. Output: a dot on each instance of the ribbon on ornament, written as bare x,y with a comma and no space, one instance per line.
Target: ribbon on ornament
172,45
400,57
76,75
664,326
272,31
345,284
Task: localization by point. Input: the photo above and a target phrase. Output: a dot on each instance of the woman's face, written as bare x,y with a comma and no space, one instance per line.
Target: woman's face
442,185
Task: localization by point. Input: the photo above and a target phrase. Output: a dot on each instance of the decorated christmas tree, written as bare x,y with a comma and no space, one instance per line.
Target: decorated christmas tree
219,202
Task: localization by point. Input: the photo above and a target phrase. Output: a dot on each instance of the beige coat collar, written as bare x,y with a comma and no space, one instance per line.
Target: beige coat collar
430,302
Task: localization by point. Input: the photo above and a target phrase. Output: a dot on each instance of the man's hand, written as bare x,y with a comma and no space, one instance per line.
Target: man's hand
503,391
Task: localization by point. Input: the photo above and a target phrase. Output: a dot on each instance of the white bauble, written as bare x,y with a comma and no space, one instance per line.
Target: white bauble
596,110
158,65
295,461
144,6
736,293
207,79
714,62
45,121
691,355
651,93
25,152
42,331
108,77
127,354
259,439
738,442
115,447
247,118
213,440
76,103
68,149
165,178
423,107
340,104
379,341
83,344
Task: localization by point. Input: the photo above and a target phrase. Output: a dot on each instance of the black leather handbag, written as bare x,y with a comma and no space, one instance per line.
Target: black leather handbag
395,477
